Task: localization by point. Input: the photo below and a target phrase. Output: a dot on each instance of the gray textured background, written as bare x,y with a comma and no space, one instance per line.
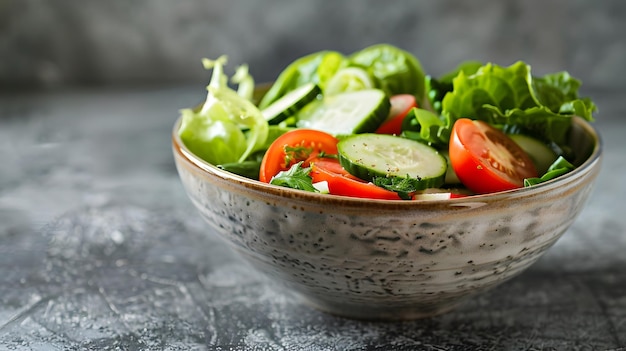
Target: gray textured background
92,42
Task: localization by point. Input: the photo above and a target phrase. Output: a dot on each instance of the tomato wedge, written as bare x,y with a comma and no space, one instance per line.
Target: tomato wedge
340,182
401,104
485,159
295,146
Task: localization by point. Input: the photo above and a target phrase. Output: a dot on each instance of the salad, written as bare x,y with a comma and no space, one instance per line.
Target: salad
373,124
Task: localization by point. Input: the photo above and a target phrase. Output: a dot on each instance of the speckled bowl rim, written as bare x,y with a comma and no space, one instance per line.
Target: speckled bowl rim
255,186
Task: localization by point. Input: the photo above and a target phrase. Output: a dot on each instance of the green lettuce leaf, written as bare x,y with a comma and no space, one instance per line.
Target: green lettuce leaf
559,167
317,68
244,81
511,96
215,131
391,69
395,71
421,125
437,88
559,92
213,140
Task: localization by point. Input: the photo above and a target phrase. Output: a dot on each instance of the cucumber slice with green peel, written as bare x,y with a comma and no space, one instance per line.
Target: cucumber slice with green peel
346,113
289,104
370,155
540,153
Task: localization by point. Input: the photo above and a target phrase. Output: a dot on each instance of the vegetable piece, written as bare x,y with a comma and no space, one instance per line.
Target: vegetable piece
386,67
422,125
215,131
405,187
437,88
369,155
540,153
558,168
486,160
342,183
544,106
401,105
439,195
214,140
434,196
559,93
290,103
244,81
395,71
346,113
322,187
295,146
348,79
295,177
248,169
315,68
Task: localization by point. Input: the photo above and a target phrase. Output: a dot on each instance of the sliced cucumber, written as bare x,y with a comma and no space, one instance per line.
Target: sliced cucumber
380,155
289,104
540,153
346,113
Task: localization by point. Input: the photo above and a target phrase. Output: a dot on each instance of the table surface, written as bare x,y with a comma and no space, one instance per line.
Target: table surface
101,249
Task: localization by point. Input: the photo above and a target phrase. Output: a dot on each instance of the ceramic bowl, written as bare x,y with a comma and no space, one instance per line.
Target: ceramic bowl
388,260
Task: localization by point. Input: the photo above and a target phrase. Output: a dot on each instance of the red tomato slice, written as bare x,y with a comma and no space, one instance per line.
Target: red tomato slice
401,104
485,159
340,182
311,142
332,165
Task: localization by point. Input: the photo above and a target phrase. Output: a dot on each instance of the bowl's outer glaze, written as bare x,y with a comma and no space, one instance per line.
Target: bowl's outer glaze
388,259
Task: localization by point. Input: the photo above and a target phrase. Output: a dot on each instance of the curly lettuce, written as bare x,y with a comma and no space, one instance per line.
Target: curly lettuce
228,127
510,96
437,88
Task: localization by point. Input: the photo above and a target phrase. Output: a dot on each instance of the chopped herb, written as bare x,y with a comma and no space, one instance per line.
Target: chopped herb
404,187
296,177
